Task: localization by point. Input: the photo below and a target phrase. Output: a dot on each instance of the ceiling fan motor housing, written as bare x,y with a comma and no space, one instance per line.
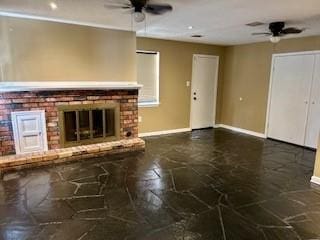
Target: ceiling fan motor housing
138,5
276,28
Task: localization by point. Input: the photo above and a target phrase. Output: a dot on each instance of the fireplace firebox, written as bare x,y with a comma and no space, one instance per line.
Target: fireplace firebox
88,123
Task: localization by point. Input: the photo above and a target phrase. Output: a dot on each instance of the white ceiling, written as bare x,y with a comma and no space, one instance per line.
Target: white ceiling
220,21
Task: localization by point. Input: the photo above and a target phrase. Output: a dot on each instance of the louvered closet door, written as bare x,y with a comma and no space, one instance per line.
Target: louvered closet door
291,84
313,125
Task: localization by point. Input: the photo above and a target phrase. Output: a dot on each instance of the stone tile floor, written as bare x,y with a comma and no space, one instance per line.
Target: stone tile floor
210,184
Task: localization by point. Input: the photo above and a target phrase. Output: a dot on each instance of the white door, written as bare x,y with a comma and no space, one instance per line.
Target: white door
29,131
204,91
290,92
313,125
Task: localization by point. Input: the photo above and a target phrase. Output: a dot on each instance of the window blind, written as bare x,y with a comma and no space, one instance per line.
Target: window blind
148,76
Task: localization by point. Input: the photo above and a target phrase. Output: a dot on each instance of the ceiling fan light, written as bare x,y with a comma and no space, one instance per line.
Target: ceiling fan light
139,16
275,39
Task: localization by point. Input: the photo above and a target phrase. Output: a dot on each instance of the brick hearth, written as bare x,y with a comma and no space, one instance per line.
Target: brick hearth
50,100
17,162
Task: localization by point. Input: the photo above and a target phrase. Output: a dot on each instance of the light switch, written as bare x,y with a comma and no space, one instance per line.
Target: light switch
140,119
188,84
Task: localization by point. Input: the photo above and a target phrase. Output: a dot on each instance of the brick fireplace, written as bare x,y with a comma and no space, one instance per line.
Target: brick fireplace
50,101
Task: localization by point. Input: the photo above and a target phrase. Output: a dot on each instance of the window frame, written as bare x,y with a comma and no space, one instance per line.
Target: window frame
157,102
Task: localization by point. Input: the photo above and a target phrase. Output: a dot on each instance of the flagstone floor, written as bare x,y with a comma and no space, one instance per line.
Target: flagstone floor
209,184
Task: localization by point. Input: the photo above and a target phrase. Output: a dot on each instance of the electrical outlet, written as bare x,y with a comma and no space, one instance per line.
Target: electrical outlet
139,119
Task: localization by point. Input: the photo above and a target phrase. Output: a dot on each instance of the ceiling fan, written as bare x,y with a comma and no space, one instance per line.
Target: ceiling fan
278,30
138,8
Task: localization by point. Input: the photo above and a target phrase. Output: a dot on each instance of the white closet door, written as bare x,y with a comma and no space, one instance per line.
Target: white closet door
313,126
292,77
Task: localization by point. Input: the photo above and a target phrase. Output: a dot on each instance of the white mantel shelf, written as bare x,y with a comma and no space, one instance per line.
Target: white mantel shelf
69,85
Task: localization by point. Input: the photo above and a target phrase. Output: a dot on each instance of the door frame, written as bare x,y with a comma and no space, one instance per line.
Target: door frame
274,56
15,128
216,79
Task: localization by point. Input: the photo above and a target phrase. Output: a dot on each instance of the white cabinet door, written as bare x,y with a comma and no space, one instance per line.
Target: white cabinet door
203,93
29,131
313,125
291,84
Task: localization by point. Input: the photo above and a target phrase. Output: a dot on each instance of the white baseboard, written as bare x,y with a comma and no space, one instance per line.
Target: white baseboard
149,134
241,130
315,180
180,130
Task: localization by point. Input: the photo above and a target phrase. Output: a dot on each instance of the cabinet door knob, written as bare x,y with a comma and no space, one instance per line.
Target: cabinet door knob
306,102
194,98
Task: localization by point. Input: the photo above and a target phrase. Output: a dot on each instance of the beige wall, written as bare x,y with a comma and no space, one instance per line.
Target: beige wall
32,50
175,70
246,75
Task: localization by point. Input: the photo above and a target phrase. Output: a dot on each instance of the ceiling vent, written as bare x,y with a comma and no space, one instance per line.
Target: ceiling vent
254,24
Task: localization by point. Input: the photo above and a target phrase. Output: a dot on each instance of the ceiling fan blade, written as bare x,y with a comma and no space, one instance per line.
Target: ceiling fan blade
157,8
262,33
291,31
117,6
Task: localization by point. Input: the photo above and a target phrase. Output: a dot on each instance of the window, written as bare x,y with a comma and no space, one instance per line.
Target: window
148,76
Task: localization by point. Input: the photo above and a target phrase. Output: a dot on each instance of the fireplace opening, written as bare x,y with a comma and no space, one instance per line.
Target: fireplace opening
87,124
